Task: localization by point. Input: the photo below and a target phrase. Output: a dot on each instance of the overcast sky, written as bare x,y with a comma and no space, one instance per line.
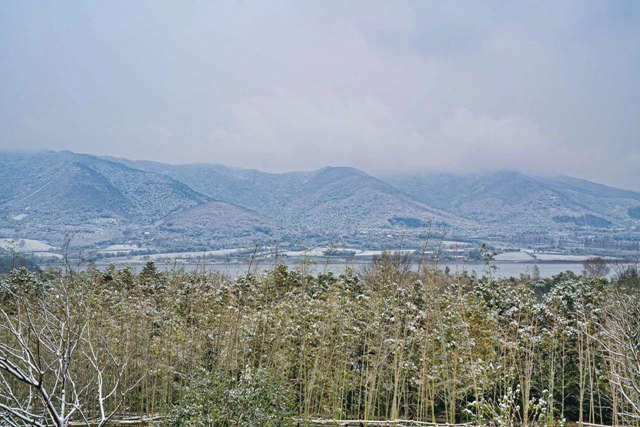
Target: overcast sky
392,86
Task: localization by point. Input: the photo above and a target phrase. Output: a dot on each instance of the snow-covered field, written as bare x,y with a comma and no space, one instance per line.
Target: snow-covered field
26,245
515,256
560,257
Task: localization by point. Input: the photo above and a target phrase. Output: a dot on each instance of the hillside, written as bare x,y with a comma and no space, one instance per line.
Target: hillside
266,193
332,198
349,199
54,194
525,201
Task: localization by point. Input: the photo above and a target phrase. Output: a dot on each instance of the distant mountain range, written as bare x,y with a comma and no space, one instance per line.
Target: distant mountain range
512,198
103,201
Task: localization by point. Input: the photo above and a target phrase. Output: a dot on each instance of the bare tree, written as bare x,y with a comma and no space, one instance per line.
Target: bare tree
595,267
621,342
43,337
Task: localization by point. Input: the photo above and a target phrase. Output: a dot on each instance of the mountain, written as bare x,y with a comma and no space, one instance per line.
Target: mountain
266,193
337,199
104,201
524,201
53,194
349,199
85,186
221,219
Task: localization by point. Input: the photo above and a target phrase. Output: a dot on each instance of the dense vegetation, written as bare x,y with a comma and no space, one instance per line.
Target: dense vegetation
284,346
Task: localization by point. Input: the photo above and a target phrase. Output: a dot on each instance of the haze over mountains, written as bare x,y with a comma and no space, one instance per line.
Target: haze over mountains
103,201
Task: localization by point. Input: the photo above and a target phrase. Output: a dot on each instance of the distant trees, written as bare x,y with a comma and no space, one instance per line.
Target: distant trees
11,258
595,267
386,342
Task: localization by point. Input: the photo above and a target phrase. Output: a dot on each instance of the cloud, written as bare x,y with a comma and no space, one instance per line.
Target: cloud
267,132
476,142
386,86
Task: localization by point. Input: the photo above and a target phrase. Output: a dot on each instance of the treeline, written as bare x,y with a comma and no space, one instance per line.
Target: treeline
188,348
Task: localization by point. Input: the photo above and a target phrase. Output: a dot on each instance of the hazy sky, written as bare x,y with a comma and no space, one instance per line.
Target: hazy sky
391,86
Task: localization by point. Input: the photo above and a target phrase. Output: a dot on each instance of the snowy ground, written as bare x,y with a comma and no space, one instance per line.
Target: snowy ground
560,257
25,245
515,256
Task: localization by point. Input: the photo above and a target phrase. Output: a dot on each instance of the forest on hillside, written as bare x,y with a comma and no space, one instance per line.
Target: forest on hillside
286,347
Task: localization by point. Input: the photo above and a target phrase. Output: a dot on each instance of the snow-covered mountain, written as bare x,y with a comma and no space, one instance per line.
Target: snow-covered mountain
525,201
104,200
56,194
332,198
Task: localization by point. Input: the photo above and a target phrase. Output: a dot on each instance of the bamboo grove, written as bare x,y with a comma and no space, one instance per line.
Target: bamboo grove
285,346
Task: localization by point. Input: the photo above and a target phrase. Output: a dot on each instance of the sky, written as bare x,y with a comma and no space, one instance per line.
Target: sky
389,87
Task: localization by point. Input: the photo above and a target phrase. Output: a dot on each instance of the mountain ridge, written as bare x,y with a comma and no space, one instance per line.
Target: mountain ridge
108,199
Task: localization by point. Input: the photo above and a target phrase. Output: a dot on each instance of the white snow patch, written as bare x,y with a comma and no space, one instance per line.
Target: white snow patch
515,256
560,257
25,245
